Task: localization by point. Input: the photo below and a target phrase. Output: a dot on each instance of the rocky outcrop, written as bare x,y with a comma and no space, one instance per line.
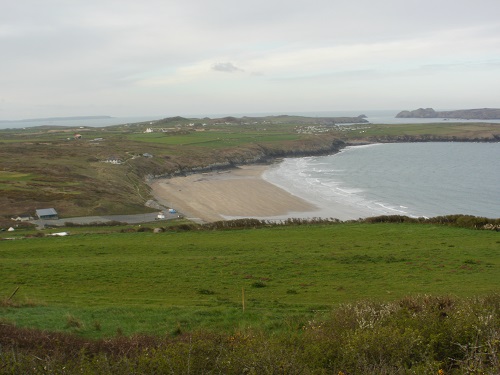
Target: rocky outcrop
467,114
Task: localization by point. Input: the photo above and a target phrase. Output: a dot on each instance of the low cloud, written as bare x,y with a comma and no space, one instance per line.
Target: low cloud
226,67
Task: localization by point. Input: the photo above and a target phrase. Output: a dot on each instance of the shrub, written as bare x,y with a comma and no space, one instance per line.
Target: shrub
415,335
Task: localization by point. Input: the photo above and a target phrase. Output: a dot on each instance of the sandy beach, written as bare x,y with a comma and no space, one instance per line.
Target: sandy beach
240,192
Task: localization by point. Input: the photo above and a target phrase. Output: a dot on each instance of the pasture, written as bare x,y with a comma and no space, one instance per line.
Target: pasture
101,284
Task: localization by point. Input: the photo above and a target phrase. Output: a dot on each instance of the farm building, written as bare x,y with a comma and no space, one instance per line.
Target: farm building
47,214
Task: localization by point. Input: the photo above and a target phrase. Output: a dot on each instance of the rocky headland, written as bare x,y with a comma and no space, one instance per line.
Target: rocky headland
468,114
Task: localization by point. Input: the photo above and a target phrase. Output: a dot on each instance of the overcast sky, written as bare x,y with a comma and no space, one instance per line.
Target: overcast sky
188,57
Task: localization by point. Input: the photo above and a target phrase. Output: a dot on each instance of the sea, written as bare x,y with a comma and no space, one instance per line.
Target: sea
411,179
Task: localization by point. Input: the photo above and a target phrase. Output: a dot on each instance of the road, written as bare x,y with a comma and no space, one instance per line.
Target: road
129,219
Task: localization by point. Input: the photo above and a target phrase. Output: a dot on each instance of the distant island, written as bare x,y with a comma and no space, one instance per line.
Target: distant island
60,118
468,114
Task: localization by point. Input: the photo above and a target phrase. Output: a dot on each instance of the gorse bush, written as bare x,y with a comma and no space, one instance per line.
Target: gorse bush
423,333
415,335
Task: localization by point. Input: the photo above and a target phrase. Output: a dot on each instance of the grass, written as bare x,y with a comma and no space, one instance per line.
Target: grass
14,176
219,139
145,282
476,130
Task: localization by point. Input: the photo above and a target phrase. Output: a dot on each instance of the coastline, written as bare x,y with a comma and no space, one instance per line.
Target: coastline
241,192
256,191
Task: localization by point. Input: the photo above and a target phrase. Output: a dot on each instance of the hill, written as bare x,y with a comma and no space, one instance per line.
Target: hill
469,114
300,299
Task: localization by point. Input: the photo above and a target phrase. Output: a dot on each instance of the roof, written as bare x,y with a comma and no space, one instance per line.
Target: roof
46,212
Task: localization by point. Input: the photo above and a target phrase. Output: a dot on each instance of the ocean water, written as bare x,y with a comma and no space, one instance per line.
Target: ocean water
94,122
413,179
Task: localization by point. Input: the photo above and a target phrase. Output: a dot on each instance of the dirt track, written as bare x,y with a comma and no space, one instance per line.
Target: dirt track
129,219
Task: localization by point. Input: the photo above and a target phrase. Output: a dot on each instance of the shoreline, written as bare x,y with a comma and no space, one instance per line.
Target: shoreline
241,192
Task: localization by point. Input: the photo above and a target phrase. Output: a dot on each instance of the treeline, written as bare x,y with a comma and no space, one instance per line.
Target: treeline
415,335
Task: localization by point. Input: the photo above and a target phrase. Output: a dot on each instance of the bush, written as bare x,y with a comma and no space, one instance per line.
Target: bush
415,335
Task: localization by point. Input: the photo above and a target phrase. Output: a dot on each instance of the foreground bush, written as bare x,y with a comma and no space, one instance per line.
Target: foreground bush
416,335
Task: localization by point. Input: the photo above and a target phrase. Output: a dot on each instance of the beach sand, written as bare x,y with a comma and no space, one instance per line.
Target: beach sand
243,193
239,192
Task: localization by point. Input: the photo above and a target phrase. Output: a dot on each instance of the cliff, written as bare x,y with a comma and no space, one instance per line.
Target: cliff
468,114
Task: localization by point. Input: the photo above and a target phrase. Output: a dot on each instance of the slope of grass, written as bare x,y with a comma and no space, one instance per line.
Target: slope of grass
145,282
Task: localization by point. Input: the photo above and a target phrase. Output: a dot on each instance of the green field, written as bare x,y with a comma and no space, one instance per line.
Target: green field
219,139
156,283
479,130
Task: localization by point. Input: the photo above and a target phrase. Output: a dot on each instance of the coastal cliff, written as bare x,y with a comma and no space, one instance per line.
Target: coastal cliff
468,114
264,154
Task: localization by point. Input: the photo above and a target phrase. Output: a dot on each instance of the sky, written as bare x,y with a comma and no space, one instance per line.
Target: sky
171,57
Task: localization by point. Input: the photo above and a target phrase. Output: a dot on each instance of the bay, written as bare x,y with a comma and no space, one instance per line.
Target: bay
413,179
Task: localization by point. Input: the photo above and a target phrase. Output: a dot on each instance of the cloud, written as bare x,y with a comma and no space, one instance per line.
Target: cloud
114,52
226,67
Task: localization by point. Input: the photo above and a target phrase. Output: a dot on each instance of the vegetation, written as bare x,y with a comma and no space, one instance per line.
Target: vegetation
153,282
318,298
418,335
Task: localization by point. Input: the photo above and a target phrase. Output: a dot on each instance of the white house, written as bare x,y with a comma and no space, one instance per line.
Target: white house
114,160
22,218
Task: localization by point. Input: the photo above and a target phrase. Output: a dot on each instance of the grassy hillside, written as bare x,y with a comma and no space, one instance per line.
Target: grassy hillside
341,298
145,282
